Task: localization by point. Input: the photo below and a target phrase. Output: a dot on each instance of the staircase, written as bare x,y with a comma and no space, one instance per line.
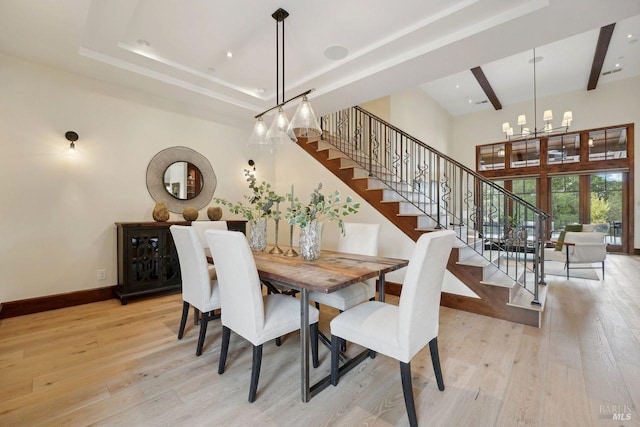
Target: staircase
498,253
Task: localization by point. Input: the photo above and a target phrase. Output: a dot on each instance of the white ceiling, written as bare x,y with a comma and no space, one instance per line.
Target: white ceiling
391,46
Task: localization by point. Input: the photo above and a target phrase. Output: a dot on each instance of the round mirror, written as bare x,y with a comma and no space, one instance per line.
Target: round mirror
194,187
183,180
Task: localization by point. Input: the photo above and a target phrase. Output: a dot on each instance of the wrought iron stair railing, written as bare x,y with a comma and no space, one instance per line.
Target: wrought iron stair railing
504,232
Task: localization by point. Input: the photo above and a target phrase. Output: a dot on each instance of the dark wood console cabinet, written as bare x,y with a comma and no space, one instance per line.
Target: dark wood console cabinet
147,258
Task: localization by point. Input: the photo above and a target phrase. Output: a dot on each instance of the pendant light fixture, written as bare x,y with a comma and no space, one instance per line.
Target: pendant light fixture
303,124
547,116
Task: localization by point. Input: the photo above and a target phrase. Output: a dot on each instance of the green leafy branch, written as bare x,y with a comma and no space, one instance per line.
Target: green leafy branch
321,208
260,204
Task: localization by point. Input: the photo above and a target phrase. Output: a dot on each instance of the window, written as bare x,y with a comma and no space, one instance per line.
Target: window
563,149
608,144
565,206
525,153
491,157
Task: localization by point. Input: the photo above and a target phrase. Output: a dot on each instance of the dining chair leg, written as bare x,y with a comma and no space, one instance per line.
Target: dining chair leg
407,389
203,331
196,316
226,334
435,359
314,344
602,270
278,341
255,371
335,360
183,320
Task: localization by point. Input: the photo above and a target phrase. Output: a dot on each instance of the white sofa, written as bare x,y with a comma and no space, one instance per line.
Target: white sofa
579,247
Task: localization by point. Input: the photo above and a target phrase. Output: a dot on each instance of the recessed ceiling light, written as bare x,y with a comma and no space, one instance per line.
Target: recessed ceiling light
618,65
336,52
229,54
469,101
143,42
457,86
629,35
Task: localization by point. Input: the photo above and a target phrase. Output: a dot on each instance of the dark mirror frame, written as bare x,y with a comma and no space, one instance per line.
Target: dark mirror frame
155,178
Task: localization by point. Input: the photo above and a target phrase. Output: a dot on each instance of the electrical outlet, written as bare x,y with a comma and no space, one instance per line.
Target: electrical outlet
102,274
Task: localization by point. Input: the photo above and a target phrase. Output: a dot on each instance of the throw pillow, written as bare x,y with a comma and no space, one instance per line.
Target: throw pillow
588,228
560,239
568,227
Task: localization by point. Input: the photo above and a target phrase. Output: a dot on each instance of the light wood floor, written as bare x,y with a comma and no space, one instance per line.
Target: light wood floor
107,364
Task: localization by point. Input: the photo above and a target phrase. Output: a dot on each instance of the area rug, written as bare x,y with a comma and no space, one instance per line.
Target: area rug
556,268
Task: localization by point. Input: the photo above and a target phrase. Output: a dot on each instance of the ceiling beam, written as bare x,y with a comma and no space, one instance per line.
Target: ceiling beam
601,52
486,87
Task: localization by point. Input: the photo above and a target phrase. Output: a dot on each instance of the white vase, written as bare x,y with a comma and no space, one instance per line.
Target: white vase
311,240
258,234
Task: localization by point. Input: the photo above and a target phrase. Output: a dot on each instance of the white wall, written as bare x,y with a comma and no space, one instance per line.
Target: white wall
608,105
417,114
57,211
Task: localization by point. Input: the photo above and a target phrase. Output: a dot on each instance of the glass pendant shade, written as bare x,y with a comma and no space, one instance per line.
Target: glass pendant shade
278,132
259,134
304,123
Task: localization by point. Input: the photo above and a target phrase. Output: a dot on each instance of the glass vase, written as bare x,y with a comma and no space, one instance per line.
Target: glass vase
311,240
258,234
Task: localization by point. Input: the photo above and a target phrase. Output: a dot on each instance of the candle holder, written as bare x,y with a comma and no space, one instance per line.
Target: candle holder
276,250
291,252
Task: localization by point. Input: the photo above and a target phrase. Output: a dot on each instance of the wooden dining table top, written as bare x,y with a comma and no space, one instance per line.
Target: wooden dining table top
332,271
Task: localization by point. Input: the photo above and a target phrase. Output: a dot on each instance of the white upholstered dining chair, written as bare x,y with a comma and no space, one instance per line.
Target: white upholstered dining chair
201,227
402,331
361,239
198,289
256,317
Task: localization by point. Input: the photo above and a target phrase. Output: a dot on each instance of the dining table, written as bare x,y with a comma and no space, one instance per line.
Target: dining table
330,272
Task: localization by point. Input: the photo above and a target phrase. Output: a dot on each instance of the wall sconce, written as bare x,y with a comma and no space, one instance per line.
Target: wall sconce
73,137
252,164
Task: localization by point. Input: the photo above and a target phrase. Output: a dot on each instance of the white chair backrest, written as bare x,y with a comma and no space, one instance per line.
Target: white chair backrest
419,305
202,226
196,282
359,239
240,289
